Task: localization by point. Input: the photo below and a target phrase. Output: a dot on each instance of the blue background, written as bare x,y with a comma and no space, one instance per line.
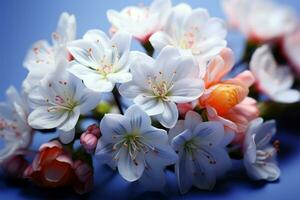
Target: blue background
24,22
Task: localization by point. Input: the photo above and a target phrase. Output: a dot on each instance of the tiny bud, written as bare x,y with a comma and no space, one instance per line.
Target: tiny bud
16,166
89,142
84,173
94,130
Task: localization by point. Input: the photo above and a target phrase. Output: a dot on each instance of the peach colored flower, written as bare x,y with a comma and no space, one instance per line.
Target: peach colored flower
52,167
227,101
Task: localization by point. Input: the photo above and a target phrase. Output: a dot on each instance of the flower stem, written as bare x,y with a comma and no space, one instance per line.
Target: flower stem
117,97
148,48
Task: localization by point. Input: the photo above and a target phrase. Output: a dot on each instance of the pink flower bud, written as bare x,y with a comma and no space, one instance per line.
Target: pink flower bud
89,142
15,166
84,173
90,138
94,130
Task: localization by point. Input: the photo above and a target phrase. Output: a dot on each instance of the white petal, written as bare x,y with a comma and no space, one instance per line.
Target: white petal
129,169
86,53
288,96
91,78
89,101
66,136
131,90
163,155
179,141
264,133
40,118
99,37
113,124
202,17
184,170
205,174
105,153
169,116
150,104
209,133
176,130
155,136
122,40
71,121
186,90
119,77
192,119
66,29
159,40
138,118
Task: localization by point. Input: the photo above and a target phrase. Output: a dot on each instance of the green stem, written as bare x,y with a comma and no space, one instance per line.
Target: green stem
117,97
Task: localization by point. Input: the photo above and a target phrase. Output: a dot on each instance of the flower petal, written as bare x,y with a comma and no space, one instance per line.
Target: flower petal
138,118
186,90
169,116
71,121
113,124
184,170
129,169
150,104
66,136
192,119
40,118
159,40
122,40
86,53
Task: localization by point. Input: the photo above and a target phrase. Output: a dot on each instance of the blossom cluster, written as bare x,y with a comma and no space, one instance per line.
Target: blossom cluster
176,104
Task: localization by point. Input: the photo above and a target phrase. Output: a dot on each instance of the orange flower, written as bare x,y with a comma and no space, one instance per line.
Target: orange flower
227,101
52,167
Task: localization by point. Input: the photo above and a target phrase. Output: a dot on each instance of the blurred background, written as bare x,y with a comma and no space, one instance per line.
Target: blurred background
24,22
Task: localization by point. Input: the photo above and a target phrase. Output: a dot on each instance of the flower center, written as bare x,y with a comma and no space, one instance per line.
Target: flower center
187,41
135,144
60,102
226,96
105,69
193,148
190,146
160,89
161,85
108,62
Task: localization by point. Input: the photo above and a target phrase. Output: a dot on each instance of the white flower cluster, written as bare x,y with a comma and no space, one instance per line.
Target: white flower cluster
185,110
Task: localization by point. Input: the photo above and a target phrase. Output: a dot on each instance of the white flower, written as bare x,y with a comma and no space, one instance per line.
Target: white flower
40,59
291,45
99,61
140,21
158,84
260,20
259,155
65,31
58,102
139,150
15,133
275,81
201,147
192,31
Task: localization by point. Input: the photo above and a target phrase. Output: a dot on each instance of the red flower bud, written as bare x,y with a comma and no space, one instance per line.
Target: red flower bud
52,167
84,182
15,166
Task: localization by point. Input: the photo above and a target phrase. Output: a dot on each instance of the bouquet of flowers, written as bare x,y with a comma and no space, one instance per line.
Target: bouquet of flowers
183,105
